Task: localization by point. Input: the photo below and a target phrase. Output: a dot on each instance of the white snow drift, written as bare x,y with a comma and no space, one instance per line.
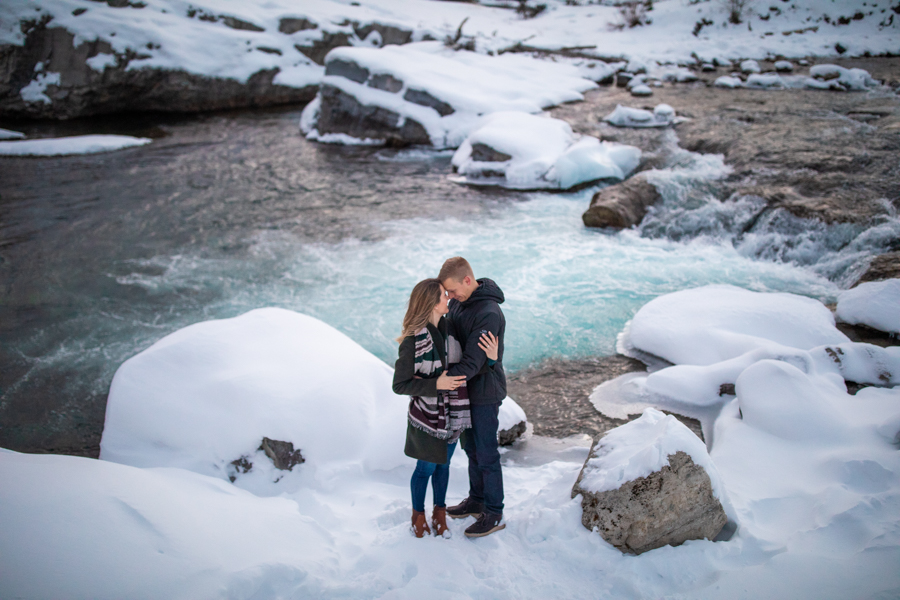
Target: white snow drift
874,303
543,153
80,144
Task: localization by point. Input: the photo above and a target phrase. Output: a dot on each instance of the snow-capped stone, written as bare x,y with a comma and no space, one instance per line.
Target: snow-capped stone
842,78
512,422
784,66
641,90
523,151
750,66
875,304
80,144
662,116
207,394
727,81
765,82
650,483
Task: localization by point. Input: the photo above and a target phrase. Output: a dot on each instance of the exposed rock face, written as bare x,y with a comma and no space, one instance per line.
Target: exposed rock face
507,436
342,113
886,266
83,91
282,454
621,205
484,153
669,507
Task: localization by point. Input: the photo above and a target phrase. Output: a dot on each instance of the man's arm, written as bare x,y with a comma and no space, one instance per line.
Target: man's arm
473,357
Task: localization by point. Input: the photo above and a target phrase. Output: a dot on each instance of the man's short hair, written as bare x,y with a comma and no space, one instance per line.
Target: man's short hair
456,268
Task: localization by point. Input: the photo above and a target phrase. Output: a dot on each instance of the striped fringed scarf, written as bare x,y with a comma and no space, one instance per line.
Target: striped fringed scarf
446,415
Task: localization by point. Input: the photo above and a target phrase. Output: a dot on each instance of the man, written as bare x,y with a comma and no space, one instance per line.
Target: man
475,310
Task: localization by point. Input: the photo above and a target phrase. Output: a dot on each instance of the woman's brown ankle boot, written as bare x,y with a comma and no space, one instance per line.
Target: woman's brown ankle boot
439,521
420,524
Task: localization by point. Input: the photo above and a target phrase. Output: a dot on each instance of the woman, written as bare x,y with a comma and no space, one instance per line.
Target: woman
438,405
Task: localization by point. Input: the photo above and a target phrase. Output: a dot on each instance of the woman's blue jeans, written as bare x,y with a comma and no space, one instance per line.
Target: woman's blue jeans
439,475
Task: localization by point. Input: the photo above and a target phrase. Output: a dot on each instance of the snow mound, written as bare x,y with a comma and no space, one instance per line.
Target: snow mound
661,116
641,447
768,81
726,81
6,134
207,394
81,144
875,304
511,414
838,77
115,531
522,151
445,91
714,323
750,66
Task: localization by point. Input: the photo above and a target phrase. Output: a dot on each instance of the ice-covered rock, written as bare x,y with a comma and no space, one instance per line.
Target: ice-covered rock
523,151
710,324
423,93
207,394
622,205
661,116
875,304
650,483
6,134
750,66
512,422
80,144
727,81
784,66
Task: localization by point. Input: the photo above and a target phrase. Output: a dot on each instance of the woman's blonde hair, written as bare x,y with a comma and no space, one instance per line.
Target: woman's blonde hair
424,296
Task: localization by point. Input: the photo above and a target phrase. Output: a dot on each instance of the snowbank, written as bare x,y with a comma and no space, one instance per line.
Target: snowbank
206,395
6,134
445,92
875,304
81,144
522,151
662,116
714,323
642,447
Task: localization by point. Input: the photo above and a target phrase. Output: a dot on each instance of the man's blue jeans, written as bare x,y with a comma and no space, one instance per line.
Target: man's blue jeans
439,475
480,444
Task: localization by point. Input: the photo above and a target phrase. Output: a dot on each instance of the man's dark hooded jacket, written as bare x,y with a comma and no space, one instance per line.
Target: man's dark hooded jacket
479,314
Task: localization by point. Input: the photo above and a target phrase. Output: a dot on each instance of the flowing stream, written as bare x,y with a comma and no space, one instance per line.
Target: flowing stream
104,255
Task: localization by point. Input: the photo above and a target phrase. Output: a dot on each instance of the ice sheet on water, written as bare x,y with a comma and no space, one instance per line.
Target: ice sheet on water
82,144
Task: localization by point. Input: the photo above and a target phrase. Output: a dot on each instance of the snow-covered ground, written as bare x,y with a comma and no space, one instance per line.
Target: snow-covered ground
81,144
809,475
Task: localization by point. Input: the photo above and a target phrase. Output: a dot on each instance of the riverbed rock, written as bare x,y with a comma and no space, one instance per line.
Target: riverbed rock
669,506
80,90
884,266
340,112
282,454
512,422
622,205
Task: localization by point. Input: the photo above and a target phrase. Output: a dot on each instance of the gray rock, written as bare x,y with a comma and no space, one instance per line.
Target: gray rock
389,34
282,454
484,153
236,23
883,266
668,507
621,205
346,69
320,48
423,98
82,91
386,82
289,25
507,436
342,113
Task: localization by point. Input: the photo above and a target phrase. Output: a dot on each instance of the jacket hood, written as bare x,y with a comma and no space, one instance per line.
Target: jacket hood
487,290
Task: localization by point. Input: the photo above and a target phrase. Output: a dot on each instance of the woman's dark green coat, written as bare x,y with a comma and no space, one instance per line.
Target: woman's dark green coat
420,445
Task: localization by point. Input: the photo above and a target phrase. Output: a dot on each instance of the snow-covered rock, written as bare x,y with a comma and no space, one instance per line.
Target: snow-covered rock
6,134
838,77
875,304
424,93
641,90
81,144
727,81
750,66
650,483
714,323
207,395
622,205
784,66
768,81
512,422
661,116
523,151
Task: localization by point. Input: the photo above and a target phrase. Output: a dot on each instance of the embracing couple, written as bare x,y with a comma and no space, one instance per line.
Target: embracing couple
451,366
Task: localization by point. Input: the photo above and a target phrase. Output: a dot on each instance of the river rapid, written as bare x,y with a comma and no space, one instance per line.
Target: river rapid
103,255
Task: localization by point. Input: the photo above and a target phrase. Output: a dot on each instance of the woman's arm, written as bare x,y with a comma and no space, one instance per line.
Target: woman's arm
405,381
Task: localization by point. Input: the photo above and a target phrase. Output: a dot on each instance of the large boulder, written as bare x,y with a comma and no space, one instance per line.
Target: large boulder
650,483
622,205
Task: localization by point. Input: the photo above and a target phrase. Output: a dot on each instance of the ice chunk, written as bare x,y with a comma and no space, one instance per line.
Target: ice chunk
522,151
875,304
81,144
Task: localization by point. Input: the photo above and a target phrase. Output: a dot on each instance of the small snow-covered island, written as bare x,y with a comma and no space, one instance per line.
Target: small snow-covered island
213,214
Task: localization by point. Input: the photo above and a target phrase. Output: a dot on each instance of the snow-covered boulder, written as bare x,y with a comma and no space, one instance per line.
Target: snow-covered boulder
714,323
206,396
650,483
522,151
840,78
784,66
80,144
768,81
622,205
661,116
640,90
423,93
512,422
727,81
750,66
875,304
